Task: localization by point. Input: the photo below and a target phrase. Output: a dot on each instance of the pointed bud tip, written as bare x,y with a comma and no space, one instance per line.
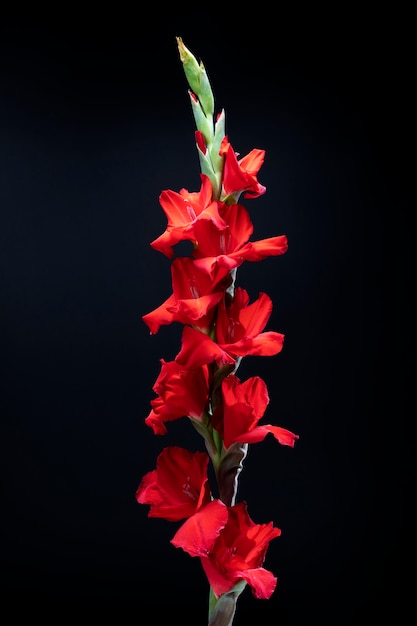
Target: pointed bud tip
185,54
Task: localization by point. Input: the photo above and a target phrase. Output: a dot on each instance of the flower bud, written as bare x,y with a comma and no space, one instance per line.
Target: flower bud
197,78
203,124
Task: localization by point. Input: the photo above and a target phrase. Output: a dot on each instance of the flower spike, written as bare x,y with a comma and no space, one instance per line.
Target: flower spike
220,327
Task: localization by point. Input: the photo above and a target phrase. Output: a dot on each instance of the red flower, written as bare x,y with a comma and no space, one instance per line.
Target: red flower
183,211
230,247
240,175
244,404
178,486
237,552
195,295
180,392
239,333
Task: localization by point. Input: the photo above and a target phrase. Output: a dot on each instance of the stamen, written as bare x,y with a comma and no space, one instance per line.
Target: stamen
191,212
186,488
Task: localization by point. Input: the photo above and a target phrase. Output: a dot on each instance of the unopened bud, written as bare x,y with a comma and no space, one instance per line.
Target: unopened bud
197,78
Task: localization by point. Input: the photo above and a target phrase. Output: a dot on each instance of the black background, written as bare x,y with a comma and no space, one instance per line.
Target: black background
95,122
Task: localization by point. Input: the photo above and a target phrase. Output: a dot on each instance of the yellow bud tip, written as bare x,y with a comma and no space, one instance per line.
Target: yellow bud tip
182,49
186,56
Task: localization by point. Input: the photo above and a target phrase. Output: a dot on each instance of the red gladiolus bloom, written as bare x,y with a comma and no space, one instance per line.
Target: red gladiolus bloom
198,349
195,295
239,332
237,553
181,392
178,486
244,404
230,247
240,174
183,211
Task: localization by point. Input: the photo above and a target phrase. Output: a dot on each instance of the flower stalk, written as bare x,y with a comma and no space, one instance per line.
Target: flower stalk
220,326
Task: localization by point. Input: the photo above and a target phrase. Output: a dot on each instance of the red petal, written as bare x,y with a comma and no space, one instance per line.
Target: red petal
282,435
259,250
265,344
218,582
198,534
176,209
253,161
198,349
255,316
159,316
262,581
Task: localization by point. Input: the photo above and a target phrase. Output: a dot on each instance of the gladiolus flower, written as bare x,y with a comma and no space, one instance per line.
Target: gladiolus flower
244,404
230,247
239,332
178,486
183,210
240,175
181,392
237,553
195,296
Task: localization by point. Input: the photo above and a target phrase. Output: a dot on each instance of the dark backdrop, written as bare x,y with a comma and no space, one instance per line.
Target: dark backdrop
95,122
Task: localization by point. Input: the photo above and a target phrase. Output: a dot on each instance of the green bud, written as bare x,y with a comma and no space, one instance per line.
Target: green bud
201,121
197,78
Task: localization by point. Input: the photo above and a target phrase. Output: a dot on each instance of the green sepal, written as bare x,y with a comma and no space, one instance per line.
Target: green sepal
205,430
232,198
218,442
219,133
223,608
207,168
